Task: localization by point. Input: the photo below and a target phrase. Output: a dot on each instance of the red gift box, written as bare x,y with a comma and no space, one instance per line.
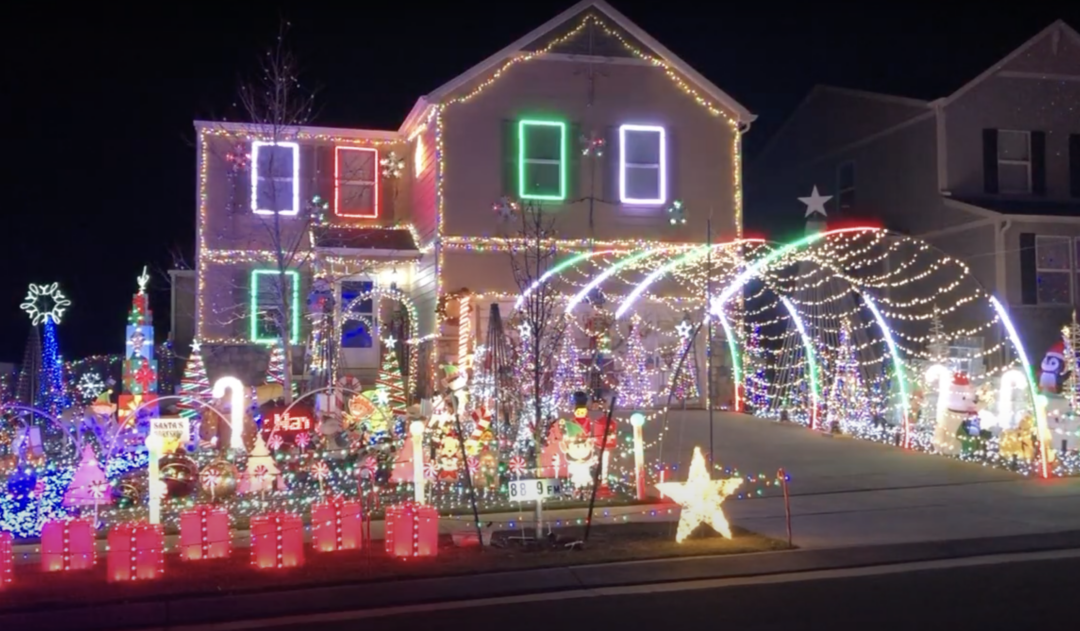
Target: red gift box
136,552
277,541
336,525
204,533
7,557
67,545
412,530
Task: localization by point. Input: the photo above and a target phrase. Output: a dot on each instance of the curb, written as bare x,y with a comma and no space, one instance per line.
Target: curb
232,607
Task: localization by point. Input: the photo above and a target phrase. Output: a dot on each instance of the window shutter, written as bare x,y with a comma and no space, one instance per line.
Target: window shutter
607,170
1074,165
575,187
509,162
1029,288
990,161
1038,163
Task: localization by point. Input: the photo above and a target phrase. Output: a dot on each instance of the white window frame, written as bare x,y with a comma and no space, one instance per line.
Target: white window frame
1070,271
1001,161
661,166
256,178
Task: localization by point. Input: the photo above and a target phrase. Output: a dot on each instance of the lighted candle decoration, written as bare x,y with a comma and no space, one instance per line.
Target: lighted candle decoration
236,408
637,420
416,430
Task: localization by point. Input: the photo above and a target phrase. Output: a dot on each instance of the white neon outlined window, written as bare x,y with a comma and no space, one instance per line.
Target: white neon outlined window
642,165
275,178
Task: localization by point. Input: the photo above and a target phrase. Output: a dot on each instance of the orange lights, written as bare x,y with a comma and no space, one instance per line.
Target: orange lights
356,182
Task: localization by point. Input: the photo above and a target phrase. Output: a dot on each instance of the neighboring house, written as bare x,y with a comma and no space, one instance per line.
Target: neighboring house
182,310
514,125
990,173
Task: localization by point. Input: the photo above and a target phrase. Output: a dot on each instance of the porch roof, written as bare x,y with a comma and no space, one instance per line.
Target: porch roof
1027,206
396,240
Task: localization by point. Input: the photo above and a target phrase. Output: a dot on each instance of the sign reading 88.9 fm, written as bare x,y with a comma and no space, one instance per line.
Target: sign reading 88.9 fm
532,490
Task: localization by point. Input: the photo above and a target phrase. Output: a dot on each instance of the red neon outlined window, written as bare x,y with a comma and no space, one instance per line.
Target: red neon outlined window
356,182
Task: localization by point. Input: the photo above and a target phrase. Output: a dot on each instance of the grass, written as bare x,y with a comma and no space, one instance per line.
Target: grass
34,589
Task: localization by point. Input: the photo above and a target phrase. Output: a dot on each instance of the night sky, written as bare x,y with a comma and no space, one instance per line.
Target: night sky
98,103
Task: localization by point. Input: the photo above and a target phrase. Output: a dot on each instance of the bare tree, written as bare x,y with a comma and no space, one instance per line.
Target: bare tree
542,316
276,106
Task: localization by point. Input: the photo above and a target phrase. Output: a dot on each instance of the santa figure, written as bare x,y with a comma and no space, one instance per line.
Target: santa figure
1052,372
960,407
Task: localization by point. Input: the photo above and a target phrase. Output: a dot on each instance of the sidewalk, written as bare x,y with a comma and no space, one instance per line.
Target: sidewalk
161,614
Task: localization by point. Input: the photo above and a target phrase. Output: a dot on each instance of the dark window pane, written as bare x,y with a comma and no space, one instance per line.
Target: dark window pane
543,142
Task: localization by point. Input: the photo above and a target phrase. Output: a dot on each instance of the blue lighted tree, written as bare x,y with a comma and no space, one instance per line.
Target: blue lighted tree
45,304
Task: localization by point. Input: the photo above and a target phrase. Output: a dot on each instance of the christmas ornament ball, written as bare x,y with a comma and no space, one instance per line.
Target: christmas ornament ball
219,479
129,491
180,474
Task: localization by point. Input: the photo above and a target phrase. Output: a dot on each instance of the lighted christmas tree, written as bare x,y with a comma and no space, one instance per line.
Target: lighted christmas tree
390,386
683,379
938,348
636,383
848,399
1070,335
568,378
140,376
195,384
261,470
754,371
90,485
42,384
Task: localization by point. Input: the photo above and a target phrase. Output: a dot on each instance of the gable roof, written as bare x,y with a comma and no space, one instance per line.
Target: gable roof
1058,26
739,112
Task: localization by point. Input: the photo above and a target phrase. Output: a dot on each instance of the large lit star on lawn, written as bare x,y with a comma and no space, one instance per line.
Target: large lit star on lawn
700,497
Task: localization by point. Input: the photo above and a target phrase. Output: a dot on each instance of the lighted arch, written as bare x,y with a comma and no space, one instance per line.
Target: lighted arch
811,360
609,272
1040,411
558,269
898,363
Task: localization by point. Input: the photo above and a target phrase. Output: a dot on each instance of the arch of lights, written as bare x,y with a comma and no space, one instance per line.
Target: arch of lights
784,311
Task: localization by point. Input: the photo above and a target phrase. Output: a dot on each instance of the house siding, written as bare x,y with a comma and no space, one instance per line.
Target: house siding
1039,325
700,151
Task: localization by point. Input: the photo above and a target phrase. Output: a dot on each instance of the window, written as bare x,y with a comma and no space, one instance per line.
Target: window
542,160
356,182
642,164
275,178
356,327
1053,270
266,315
845,187
1014,161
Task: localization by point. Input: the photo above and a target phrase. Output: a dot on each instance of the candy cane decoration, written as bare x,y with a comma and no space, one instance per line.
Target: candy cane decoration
236,408
517,466
275,442
1010,379
302,440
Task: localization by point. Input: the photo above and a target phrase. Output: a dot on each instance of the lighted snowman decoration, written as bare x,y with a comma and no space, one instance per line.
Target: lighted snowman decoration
960,406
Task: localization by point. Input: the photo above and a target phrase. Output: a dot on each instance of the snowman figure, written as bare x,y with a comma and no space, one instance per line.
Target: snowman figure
1052,372
960,407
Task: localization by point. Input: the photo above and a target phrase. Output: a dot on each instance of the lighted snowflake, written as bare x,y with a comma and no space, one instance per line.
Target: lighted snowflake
505,208
45,302
90,385
676,214
392,165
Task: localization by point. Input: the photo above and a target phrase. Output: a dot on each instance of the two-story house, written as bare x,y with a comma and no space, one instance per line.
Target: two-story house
411,208
990,174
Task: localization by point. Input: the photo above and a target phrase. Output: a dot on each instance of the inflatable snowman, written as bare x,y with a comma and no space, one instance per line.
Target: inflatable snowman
960,407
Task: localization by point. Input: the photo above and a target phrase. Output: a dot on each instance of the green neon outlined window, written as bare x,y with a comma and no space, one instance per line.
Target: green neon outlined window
265,305
542,160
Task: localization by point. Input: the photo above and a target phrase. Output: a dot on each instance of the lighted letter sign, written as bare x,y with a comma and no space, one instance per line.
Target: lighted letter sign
643,173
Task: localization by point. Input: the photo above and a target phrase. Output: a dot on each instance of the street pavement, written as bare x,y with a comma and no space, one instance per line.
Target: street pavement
848,492
1011,595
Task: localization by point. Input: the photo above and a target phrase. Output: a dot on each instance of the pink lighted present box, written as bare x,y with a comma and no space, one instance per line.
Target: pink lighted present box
204,533
136,552
412,530
67,545
277,541
7,557
336,526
